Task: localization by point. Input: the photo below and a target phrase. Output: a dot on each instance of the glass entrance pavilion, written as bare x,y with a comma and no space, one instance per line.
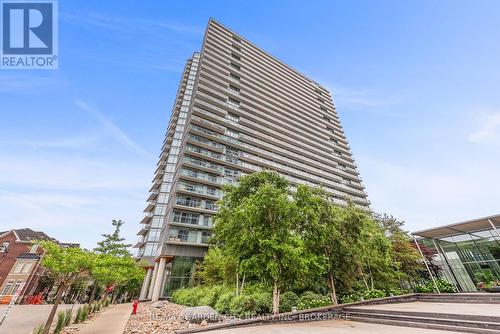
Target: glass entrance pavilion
467,252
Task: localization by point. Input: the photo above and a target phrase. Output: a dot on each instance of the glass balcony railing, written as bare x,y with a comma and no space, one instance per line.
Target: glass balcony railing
196,203
188,236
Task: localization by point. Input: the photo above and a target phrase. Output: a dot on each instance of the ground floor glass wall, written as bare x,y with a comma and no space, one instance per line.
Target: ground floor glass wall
468,258
179,273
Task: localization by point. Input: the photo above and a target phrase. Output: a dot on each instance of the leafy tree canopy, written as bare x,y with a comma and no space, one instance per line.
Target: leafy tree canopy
112,243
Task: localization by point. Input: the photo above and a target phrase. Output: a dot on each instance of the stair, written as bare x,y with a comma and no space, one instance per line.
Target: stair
476,298
443,321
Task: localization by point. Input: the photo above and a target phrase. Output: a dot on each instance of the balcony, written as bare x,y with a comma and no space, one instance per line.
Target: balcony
204,164
147,218
196,203
200,190
181,235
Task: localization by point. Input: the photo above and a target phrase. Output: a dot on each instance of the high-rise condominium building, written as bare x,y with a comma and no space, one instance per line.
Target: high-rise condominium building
238,110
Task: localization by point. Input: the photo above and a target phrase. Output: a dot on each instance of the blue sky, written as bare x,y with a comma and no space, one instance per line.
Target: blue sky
416,84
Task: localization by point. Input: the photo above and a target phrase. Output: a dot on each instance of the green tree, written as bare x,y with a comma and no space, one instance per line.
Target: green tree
379,270
112,243
257,222
403,252
115,273
334,233
218,267
66,265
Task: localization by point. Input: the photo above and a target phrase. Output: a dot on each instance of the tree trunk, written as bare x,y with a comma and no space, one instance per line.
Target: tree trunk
364,280
371,277
113,296
60,290
92,294
333,294
276,298
237,283
242,284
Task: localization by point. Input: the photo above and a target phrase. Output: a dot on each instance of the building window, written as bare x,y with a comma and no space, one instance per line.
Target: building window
26,268
235,56
327,119
228,172
232,133
323,108
7,288
237,39
234,76
237,47
234,89
233,117
237,67
18,268
233,103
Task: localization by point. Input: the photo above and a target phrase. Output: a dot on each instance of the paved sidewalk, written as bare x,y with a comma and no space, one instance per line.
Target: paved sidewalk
329,327
112,321
22,319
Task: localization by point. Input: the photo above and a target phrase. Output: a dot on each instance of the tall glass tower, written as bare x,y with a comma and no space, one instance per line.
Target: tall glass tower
238,110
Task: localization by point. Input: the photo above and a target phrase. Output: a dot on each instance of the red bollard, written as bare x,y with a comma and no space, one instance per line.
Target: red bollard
134,306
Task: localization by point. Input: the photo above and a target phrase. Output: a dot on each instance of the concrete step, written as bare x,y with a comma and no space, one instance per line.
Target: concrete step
476,324
413,324
476,298
452,316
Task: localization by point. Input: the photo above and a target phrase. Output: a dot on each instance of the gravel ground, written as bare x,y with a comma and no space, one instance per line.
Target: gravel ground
154,320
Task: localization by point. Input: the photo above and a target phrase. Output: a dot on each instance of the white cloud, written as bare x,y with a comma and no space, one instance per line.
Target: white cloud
433,192
112,129
129,25
488,131
71,187
29,83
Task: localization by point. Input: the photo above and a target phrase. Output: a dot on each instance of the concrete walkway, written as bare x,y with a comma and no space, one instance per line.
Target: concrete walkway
111,321
22,319
454,308
329,327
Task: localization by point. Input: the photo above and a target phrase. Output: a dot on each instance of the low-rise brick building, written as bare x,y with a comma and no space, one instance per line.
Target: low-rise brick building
19,263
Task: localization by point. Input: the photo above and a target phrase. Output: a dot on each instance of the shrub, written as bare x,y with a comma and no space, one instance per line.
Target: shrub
60,322
443,286
78,317
263,302
250,304
85,312
223,303
351,298
189,296
212,294
396,292
67,317
38,329
310,299
373,294
288,300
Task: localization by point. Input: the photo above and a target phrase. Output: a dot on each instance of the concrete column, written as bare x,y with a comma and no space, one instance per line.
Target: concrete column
152,283
494,227
145,285
158,280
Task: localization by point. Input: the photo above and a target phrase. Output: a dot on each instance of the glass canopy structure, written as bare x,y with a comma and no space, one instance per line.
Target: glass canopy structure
467,252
